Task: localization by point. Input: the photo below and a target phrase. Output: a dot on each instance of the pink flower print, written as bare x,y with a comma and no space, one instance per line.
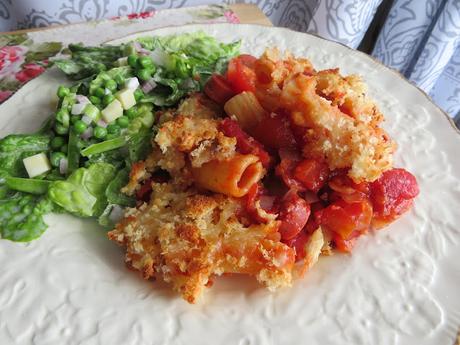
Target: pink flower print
11,59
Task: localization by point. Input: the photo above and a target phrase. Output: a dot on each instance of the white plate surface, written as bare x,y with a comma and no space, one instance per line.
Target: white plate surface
400,285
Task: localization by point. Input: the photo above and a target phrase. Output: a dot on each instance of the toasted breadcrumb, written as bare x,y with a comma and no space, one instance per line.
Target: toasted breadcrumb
186,238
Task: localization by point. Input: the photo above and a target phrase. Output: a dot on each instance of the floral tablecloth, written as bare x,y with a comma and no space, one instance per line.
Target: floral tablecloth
24,56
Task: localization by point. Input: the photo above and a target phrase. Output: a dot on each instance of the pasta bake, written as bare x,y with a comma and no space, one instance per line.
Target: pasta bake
274,165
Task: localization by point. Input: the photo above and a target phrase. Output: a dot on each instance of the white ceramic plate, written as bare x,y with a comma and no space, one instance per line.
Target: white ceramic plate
400,286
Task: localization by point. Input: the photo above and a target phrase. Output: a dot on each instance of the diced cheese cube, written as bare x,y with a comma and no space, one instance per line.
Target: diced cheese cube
36,164
126,98
112,111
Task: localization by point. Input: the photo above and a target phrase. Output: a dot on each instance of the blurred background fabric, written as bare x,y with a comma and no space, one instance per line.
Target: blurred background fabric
419,38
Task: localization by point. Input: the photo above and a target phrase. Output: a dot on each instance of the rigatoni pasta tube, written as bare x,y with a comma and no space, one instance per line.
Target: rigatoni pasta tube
233,177
246,108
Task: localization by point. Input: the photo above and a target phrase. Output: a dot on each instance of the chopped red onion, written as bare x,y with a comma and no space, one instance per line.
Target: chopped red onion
78,108
144,52
82,99
101,123
116,214
148,86
86,119
87,134
63,166
159,57
132,83
137,46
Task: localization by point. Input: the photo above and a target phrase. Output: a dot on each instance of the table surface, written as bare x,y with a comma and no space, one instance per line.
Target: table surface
247,14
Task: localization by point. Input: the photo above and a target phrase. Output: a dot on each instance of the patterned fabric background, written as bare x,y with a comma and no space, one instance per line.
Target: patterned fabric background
419,38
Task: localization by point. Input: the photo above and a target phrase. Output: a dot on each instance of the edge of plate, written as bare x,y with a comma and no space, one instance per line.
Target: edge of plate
367,56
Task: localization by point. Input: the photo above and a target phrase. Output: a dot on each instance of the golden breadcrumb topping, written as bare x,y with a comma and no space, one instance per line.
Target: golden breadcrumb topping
186,238
340,120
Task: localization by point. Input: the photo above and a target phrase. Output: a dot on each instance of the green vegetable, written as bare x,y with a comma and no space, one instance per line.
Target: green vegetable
108,99
79,127
83,193
92,112
15,147
138,95
57,142
63,117
64,148
145,62
87,61
113,191
63,91
21,216
111,85
61,129
95,100
28,185
123,121
139,144
104,146
113,129
132,60
73,153
131,113
144,74
55,158
99,92
100,132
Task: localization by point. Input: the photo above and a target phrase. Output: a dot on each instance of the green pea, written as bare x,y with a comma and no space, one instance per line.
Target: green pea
99,92
79,127
56,158
144,74
145,62
123,121
138,95
108,99
113,129
57,142
132,60
95,100
64,148
60,129
100,132
63,91
74,118
131,113
120,80
74,89
111,85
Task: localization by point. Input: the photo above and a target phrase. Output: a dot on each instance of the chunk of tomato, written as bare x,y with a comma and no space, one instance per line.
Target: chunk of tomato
392,195
312,174
298,243
241,74
294,213
391,189
244,143
274,132
344,218
218,89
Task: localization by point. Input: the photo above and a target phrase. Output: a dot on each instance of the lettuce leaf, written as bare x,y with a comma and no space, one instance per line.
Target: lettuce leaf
83,193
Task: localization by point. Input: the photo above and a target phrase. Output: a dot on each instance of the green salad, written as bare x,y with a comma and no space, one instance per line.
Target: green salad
80,159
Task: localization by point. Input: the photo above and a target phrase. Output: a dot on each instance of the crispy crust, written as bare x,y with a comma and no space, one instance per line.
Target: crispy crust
186,238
